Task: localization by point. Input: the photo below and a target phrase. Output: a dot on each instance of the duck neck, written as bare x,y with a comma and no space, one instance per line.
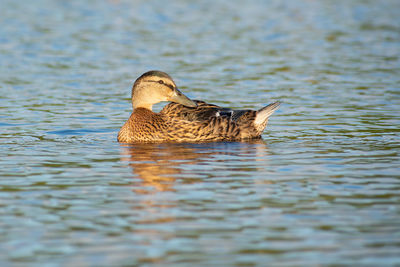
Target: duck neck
141,98
142,105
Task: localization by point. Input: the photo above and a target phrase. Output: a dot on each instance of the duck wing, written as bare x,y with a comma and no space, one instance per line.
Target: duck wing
212,122
203,111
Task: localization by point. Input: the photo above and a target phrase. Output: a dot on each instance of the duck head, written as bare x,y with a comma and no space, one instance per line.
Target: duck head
154,87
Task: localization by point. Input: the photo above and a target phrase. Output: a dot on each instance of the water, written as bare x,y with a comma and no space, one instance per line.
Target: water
321,188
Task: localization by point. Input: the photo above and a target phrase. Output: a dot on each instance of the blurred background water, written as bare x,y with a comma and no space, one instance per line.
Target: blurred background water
321,188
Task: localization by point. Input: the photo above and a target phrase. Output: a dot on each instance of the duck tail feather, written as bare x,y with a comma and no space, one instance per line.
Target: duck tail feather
264,113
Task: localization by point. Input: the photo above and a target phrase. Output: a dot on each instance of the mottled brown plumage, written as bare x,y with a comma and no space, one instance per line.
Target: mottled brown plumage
186,120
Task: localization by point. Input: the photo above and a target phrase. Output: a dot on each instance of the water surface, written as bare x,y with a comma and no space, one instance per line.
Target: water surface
321,188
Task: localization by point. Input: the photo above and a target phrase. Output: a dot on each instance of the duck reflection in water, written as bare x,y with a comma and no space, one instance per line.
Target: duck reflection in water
159,165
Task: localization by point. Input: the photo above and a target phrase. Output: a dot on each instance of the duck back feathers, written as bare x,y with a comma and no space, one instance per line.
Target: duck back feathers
207,122
250,123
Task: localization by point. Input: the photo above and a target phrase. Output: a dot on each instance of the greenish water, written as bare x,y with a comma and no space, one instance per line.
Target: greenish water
321,188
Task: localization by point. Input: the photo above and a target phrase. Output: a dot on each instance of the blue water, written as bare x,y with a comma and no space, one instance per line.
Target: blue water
320,189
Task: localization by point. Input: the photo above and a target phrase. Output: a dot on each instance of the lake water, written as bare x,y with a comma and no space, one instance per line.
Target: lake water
321,188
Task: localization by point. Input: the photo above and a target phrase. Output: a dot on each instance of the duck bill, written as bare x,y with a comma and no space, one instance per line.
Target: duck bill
180,98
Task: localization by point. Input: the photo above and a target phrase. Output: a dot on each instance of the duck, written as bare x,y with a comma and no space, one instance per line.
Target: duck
186,120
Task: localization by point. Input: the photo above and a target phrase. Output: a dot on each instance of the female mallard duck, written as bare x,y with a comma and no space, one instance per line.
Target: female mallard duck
186,120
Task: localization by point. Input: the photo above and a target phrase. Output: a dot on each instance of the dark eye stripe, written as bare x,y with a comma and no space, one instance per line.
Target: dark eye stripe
166,84
170,86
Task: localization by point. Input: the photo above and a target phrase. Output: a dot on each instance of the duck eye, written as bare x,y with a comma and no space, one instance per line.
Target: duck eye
161,82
